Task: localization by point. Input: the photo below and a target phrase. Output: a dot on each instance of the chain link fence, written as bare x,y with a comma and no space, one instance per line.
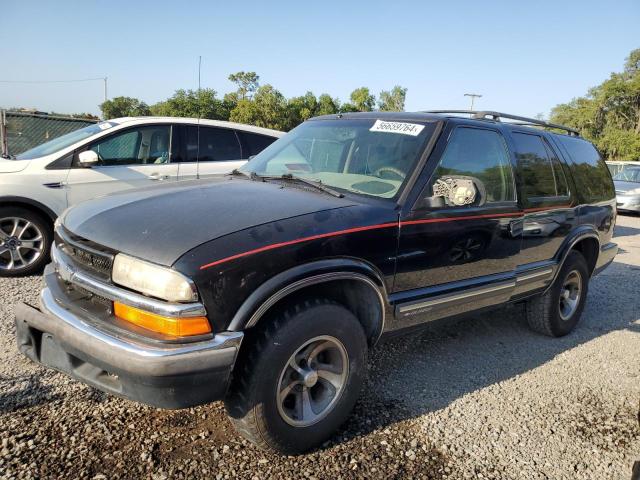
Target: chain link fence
20,131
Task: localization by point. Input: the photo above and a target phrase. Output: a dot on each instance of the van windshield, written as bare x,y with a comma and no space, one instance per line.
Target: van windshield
58,143
364,156
629,174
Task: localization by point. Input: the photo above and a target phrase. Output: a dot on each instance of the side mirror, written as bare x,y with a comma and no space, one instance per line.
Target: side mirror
88,158
455,191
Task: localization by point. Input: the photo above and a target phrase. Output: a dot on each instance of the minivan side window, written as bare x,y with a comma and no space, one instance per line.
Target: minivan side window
589,170
540,170
135,146
254,143
216,144
482,156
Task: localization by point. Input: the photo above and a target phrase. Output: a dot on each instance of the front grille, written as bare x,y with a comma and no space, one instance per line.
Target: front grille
85,257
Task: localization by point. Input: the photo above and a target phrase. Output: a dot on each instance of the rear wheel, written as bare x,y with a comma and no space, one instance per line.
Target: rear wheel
25,240
558,311
298,378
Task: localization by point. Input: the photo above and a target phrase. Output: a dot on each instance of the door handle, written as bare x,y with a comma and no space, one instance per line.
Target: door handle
157,176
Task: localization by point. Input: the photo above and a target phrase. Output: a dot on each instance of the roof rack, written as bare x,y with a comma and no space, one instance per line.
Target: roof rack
481,115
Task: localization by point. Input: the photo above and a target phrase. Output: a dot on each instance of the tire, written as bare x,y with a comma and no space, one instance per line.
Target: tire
263,368
546,313
25,242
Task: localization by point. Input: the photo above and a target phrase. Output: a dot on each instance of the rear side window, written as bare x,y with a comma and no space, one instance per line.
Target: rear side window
480,155
540,170
253,143
590,172
216,144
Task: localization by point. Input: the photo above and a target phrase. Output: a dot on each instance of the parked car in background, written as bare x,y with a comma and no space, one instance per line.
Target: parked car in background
615,166
627,184
268,289
110,156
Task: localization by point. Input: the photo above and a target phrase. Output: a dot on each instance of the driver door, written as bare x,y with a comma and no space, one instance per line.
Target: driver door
130,158
458,253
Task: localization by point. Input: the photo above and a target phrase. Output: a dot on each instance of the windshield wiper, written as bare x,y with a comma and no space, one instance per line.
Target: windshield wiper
8,157
291,178
239,173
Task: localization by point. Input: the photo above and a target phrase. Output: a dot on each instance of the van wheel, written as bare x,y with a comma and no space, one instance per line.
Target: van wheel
25,241
298,377
558,311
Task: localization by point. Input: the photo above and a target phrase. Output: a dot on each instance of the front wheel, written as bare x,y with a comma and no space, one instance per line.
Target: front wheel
558,311
298,377
25,240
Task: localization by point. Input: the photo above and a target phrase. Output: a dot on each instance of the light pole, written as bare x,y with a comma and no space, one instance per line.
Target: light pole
105,88
473,97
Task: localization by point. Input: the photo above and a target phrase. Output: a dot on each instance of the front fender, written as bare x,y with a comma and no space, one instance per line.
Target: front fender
289,281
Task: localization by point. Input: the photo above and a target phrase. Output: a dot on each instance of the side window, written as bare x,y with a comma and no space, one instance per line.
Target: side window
253,143
481,156
540,170
216,144
589,170
136,146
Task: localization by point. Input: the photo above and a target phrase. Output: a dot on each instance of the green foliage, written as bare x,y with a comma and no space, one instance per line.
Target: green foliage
609,114
250,103
392,101
247,83
362,100
191,103
124,107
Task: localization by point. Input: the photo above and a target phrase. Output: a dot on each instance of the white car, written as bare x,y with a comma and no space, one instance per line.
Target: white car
114,155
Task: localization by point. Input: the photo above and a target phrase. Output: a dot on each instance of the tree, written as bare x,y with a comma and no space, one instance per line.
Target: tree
300,109
327,105
362,100
124,107
267,108
392,101
609,114
191,103
247,83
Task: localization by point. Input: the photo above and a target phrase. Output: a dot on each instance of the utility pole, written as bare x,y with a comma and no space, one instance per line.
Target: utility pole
473,97
105,88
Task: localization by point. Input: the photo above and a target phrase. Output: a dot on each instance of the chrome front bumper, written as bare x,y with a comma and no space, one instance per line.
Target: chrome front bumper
163,374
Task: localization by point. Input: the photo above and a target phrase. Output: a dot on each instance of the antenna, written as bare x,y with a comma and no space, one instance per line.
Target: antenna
199,115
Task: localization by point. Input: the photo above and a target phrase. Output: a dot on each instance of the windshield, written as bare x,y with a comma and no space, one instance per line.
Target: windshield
58,143
628,174
368,157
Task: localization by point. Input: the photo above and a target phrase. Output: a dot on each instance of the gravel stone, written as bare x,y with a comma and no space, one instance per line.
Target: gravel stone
482,398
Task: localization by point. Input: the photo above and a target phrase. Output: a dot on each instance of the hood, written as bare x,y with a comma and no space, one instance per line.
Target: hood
622,186
160,224
12,166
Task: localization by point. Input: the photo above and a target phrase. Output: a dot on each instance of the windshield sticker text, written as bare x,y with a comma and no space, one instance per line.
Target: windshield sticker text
412,129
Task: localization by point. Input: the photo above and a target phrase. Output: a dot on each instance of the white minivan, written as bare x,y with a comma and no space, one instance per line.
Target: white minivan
37,185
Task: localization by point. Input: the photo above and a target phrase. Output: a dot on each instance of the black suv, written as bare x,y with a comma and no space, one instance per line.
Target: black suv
268,288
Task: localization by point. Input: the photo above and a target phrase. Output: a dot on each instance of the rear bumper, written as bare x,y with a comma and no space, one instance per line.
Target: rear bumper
607,253
162,375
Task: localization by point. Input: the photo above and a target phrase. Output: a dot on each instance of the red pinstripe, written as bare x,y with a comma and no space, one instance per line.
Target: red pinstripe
372,227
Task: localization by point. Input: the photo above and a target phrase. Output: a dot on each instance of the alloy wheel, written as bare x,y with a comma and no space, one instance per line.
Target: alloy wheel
570,294
21,243
312,381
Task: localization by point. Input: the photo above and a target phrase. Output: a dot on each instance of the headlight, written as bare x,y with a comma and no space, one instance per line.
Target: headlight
153,280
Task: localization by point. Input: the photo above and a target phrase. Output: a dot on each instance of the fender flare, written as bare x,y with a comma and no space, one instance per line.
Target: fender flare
301,276
33,203
581,233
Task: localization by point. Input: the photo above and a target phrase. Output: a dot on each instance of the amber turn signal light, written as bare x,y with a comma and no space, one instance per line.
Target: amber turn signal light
175,327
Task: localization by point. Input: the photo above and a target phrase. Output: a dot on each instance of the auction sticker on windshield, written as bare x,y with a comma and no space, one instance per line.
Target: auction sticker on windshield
403,128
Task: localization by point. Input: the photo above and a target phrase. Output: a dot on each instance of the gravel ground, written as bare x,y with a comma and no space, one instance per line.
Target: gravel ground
482,398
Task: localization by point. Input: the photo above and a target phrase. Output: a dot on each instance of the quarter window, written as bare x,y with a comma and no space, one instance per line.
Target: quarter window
136,146
540,170
481,156
254,143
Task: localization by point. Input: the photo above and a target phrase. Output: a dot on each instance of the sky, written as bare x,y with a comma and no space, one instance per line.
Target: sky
523,57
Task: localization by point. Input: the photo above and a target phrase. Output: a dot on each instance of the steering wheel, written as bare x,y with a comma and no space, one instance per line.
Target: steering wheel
394,171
